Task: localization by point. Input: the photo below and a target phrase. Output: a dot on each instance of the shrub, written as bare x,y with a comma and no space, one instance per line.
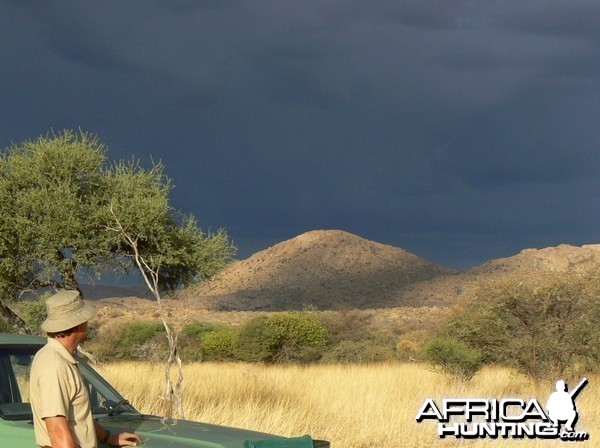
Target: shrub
34,313
219,344
135,340
207,341
347,325
545,327
256,341
360,352
409,345
282,337
5,327
453,357
198,329
407,349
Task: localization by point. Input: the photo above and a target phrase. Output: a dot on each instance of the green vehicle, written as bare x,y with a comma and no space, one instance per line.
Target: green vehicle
113,411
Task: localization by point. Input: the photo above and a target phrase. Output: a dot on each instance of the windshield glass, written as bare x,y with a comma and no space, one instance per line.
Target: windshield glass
15,364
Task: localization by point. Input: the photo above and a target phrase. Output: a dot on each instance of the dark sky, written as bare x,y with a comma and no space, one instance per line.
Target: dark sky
458,130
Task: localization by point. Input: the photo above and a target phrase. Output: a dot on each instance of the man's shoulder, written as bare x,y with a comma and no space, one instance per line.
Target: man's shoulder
45,356
48,356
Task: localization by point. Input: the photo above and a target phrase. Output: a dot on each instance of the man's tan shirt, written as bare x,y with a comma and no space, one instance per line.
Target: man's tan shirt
57,389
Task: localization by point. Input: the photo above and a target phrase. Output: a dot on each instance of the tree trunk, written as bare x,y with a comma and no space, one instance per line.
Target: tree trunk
14,320
150,274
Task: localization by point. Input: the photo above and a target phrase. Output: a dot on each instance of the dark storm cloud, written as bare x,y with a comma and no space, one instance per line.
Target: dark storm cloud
459,130
553,18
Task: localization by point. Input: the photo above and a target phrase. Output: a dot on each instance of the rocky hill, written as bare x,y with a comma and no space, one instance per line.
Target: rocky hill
527,265
322,269
333,269
384,287
538,261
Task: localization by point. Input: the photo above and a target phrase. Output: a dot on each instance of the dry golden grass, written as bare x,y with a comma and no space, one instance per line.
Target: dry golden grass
351,406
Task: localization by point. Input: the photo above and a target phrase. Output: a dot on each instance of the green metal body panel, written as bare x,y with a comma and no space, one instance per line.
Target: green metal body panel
156,432
16,427
19,339
17,434
153,431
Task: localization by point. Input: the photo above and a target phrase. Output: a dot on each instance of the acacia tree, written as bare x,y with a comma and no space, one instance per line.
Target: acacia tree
61,202
544,327
51,192
167,248
65,211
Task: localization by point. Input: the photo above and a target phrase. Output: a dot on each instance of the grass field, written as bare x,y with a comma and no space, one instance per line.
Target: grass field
351,406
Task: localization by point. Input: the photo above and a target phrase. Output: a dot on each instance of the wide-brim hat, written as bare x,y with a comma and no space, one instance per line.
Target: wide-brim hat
66,309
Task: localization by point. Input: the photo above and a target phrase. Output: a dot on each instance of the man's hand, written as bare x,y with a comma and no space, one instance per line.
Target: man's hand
60,433
122,439
128,439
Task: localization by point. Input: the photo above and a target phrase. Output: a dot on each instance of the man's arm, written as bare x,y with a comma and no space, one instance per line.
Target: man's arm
60,433
122,439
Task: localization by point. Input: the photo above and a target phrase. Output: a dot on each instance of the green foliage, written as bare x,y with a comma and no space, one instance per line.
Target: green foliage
257,341
51,189
353,341
347,325
359,352
170,242
5,327
199,329
282,337
545,329
453,357
219,345
61,204
206,341
134,340
34,313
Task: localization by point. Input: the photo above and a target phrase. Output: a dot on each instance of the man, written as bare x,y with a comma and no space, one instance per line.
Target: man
62,416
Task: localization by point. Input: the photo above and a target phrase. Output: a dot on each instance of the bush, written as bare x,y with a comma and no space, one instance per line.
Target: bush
407,350
5,327
282,337
359,352
347,325
135,340
219,345
256,341
198,329
453,357
206,341
545,327
34,314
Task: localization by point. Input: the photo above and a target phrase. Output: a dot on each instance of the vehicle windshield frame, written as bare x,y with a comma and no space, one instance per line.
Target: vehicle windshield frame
104,398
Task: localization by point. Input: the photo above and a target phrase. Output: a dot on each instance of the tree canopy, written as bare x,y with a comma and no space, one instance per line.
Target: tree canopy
61,199
545,328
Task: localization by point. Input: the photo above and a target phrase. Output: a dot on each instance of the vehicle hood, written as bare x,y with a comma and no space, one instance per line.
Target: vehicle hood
157,432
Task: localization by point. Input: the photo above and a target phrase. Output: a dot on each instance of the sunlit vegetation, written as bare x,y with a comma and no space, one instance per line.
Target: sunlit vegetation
353,406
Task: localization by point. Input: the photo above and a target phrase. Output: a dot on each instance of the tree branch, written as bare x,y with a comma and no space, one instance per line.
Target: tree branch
151,276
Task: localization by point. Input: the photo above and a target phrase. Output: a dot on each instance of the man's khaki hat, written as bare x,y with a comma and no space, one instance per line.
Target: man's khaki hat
66,310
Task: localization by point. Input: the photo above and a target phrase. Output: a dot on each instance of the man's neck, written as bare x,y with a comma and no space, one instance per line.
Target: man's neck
70,342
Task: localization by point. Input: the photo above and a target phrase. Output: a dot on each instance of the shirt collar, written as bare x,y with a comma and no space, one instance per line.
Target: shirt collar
61,350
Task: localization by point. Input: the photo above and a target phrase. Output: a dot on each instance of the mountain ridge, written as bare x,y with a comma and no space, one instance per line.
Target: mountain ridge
337,270
320,269
374,291
334,269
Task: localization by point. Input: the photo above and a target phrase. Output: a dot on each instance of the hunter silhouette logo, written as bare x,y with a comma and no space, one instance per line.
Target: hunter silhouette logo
515,418
561,404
